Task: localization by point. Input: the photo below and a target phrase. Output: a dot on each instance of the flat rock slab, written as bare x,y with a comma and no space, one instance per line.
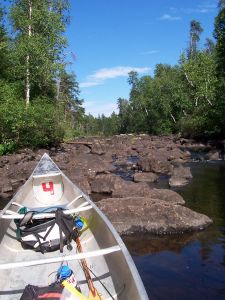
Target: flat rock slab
135,215
167,195
145,177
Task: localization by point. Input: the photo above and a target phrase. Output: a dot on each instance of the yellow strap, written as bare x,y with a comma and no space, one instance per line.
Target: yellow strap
73,290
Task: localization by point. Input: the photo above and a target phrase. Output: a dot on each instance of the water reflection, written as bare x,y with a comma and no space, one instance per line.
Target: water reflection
142,245
189,266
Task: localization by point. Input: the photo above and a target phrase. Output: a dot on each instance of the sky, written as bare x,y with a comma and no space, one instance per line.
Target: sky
112,37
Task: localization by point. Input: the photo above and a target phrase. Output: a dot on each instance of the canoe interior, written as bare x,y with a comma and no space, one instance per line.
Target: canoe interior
115,270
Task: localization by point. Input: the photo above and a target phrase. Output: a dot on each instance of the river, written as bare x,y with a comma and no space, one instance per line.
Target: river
188,266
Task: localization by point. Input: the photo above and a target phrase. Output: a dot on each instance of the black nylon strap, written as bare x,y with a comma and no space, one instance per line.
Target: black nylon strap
40,245
27,217
47,233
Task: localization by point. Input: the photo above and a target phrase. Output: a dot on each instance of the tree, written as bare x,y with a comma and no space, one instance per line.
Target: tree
209,46
38,44
137,107
71,105
195,31
68,93
124,115
221,4
4,63
219,34
201,79
168,101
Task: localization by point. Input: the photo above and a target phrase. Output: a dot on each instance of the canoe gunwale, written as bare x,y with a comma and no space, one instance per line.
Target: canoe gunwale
11,215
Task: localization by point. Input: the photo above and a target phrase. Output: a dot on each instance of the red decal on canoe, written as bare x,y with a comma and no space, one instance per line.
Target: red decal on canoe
48,187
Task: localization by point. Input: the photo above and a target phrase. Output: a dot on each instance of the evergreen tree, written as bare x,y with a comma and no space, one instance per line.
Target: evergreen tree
219,34
195,31
4,63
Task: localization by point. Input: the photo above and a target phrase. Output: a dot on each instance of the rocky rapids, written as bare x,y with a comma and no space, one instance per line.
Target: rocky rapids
134,205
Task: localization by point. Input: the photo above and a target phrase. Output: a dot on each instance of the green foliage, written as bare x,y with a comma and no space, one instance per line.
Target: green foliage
35,126
4,63
38,44
219,34
8,147
200,75
32,58
188,97
102,125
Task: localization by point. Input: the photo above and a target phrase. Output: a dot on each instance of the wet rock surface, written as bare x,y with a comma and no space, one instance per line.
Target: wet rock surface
131,215
122,167
145,177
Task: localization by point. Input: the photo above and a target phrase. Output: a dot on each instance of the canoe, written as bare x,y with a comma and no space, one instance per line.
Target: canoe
112,269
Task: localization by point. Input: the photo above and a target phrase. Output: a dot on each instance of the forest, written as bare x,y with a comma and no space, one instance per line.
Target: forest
40,102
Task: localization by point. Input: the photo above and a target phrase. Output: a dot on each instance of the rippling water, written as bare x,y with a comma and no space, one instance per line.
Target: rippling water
189,266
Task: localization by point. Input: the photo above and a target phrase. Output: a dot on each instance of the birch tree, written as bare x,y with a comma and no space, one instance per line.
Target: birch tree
38,44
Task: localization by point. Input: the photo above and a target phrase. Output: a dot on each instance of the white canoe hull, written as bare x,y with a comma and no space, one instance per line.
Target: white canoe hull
105,252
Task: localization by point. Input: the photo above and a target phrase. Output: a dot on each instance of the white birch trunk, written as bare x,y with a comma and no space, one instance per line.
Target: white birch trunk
27,92
174,120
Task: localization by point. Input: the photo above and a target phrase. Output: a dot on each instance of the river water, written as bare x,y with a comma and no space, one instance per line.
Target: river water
188,266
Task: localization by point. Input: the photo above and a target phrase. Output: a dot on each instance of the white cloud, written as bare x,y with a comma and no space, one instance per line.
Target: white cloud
149,52
100,76
88,104
201,9
95,108
89,83
167,17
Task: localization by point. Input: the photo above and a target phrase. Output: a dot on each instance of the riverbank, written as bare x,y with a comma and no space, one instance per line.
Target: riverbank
95,164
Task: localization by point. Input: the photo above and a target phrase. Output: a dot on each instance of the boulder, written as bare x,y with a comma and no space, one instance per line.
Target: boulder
118,187
7,189
180,176
184,172
82,183
213,155
105,183
127,188
167,195
135,215
155,163
145,177
97,148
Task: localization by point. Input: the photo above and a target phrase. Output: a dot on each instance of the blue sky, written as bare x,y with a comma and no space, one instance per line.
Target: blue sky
112,37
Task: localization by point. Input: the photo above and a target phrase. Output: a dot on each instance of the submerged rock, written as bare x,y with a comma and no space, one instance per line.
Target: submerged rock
132,215
155,163
180,176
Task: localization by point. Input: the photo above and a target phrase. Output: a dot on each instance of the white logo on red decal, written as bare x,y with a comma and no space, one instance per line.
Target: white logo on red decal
48,187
